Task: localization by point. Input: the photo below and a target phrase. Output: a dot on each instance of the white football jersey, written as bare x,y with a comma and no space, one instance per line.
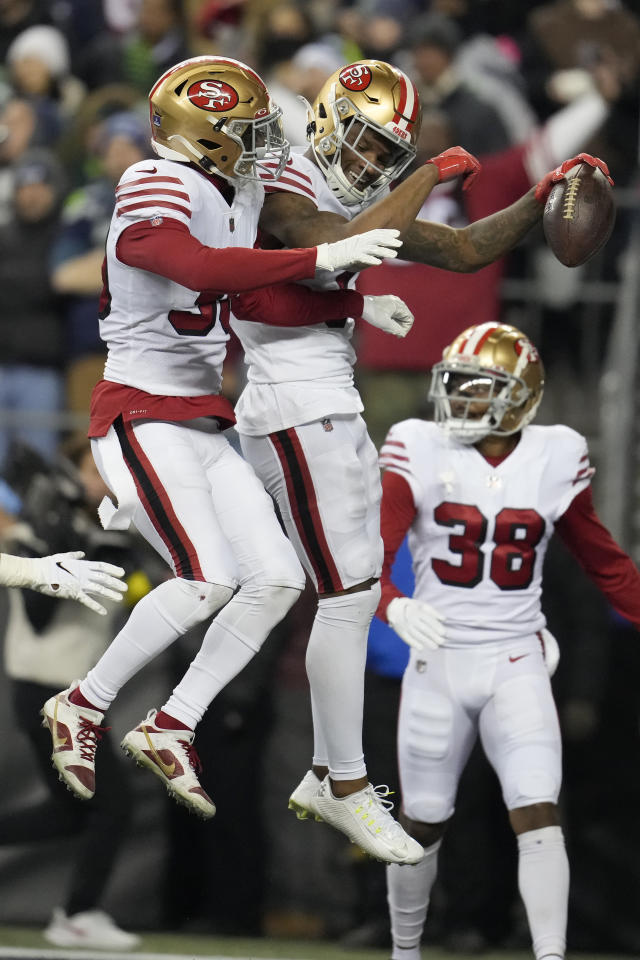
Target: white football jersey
159,339
299,374
481,532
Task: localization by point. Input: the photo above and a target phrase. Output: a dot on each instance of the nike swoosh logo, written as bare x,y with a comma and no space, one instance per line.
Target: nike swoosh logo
62,567
153,170
513,659
167,768
57,741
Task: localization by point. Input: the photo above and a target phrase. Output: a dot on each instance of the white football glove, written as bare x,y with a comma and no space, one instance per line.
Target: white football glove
417,623
356,253
388,313
65,575
551,651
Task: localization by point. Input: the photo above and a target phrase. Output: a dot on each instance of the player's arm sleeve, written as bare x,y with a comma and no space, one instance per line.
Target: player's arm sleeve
603,560
397,513
293,305
171,251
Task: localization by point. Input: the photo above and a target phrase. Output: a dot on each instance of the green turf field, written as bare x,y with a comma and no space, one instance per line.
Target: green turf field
21,943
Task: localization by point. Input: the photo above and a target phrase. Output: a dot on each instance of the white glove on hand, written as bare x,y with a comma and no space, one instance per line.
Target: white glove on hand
388,313
551,651
417,623
65,575
356,253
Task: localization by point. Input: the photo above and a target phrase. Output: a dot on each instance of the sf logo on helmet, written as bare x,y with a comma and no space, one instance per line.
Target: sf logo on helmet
214,95
356,77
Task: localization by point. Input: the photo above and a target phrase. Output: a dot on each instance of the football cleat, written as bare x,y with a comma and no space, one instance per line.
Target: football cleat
301,800
365,818
75,732
171,755
92,928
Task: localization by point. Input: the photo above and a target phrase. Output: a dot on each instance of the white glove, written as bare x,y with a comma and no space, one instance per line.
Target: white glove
551,651
417,623
65,575
388,313
357,252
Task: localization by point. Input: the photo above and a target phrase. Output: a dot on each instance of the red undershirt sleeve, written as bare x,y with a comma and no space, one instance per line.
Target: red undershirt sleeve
397,513
171,251
293,305
603,560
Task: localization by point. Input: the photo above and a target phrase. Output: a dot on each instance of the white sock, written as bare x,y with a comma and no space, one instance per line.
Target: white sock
336,657
543,879
320,753
156,621
408,893
231,641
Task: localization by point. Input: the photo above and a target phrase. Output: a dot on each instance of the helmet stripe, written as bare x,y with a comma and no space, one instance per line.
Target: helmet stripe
407,109
483,339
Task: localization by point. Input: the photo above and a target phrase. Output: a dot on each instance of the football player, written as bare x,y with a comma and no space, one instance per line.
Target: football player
299,416
65,576
480,493
180,242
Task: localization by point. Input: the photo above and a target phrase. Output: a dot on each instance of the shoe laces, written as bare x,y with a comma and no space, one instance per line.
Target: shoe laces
376,807
88,737
192,755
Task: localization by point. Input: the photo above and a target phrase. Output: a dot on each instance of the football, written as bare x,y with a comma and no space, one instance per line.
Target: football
579,215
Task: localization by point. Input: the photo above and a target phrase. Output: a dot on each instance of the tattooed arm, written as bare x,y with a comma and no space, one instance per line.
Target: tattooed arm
467,249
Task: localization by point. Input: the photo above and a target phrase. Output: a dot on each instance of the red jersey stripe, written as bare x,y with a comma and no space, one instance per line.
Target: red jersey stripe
289,168
152,190
299,186
153,203
155,179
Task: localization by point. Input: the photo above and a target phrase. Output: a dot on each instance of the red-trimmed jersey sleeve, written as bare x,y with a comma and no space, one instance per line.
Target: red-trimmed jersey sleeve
164,195
603,560
294,305
397,513
171,251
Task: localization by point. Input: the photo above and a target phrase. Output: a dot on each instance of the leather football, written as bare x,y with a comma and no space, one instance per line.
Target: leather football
579,215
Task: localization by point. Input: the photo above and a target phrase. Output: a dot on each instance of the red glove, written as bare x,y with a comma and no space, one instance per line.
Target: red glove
456,162
543,189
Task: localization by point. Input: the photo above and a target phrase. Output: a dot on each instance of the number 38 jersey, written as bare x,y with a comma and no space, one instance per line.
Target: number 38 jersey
480,532
163,337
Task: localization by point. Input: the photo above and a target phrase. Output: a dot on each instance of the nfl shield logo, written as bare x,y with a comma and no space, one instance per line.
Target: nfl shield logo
156,221
327,426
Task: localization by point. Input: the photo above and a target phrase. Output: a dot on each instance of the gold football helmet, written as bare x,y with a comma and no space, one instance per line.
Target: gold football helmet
490,381
368,95
217,112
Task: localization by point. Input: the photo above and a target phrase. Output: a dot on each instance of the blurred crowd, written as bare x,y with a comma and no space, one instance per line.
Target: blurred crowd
505,80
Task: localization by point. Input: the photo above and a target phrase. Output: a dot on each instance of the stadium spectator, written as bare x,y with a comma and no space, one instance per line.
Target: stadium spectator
475,123
136,57
31,363
40,68
78,250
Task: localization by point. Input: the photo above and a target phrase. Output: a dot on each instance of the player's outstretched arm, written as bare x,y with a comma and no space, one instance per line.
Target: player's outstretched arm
468,249
65,575
296,221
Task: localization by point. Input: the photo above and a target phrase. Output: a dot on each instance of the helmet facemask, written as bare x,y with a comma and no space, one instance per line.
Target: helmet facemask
472,401
351,136
265,150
